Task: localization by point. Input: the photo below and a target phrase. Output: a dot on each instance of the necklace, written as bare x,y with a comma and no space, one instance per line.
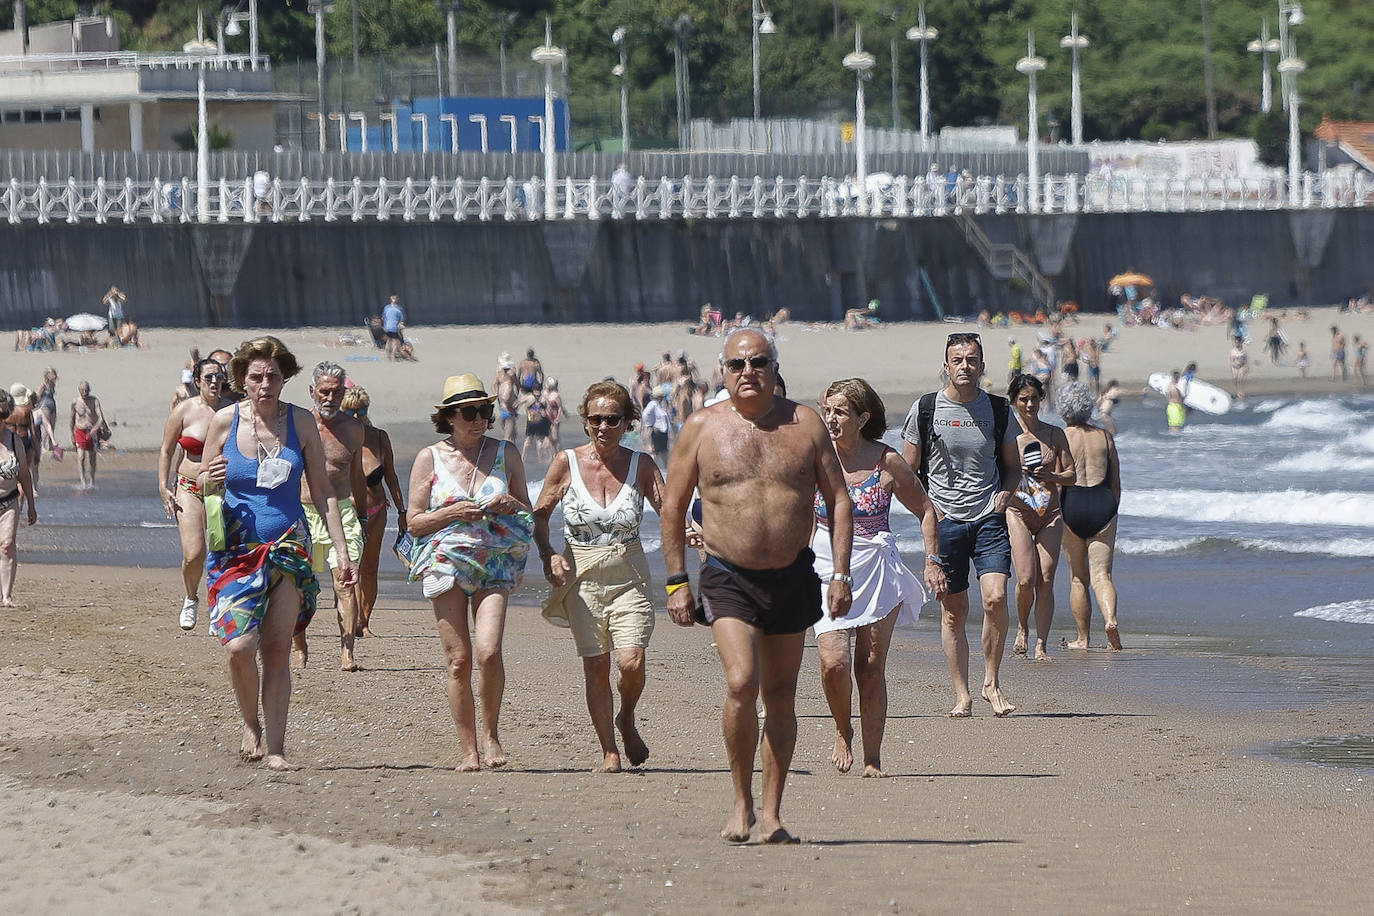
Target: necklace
754,422
262,449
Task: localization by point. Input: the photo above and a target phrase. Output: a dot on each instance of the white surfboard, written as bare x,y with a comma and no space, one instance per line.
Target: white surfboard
1199,395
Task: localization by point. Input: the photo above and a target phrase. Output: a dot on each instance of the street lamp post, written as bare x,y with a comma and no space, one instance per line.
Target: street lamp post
924,34
319,8
503,23
1289,14
682,29
1290,66
763,25
620,36
1076,43
862,63
1030,65
1264,46
550,57
451,9
234,17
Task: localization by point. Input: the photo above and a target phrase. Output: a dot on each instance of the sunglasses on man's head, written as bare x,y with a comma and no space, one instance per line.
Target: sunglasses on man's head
610,421
753,362
964,337
470,412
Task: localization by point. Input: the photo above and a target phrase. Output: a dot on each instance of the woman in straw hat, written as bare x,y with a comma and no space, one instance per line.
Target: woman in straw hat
469,512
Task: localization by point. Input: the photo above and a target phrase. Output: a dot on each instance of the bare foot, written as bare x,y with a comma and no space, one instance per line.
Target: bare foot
962,709
873,771
7,603
496,757
611,764
367,631
738,827
1000,705
843,756
1040,654
346,662
279,763
635,748
1019,647
1076,644
299,658
251,748
471,763
1113,637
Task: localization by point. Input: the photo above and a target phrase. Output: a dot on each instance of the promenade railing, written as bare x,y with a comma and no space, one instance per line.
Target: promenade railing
487,200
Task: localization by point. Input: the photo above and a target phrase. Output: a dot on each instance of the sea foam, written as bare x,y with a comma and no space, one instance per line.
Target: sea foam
1358,611
1281,507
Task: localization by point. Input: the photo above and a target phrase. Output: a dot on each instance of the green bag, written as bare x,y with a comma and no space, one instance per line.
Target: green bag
214,521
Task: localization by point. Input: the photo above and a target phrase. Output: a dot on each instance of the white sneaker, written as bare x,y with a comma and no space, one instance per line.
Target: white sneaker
189,607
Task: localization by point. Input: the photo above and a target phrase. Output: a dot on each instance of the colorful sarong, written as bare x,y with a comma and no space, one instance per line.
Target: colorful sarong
241,577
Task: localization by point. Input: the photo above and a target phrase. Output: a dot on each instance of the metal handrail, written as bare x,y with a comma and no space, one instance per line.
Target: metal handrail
20,64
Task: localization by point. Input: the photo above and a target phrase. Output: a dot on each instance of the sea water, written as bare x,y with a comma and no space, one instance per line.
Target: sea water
1243,560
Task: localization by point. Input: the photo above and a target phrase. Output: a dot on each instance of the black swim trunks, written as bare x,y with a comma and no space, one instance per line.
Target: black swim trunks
776,601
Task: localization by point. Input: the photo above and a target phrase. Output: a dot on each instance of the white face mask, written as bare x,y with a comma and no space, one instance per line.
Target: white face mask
273,472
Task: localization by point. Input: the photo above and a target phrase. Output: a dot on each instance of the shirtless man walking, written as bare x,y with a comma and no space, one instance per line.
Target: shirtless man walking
343,454
87,420
758,460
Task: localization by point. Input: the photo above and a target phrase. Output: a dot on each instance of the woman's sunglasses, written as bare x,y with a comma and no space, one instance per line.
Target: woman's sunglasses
470,413
753,362
610,422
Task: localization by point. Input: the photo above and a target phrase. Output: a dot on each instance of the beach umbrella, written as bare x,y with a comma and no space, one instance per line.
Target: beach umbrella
85,321
1131,278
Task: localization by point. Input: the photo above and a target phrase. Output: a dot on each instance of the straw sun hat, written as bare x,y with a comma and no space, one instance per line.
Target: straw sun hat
463,389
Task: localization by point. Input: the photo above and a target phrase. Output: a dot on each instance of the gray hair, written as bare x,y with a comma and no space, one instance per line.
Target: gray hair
1075,402
326,368
768,338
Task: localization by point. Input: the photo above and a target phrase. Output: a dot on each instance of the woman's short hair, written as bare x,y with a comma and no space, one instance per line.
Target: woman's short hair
1023,380
266,347
1075,403
356,398
862,399
615,392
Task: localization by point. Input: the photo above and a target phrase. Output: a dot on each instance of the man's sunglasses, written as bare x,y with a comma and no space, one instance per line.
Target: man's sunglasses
753,362
609,421
469,413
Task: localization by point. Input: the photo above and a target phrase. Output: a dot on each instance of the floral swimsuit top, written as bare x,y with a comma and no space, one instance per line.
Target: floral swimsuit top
588,523
871,502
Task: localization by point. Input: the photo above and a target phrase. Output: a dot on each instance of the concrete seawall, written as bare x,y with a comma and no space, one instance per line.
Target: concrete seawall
477,273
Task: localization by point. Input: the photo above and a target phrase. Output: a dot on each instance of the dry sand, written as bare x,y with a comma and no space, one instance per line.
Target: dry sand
899,360
122,791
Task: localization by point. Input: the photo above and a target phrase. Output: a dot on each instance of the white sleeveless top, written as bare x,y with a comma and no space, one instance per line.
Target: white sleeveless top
589,524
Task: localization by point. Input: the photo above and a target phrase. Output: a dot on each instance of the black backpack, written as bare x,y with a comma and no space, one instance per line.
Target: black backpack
925,423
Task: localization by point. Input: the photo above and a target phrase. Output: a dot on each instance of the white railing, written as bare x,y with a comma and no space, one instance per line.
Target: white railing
24,64
484,200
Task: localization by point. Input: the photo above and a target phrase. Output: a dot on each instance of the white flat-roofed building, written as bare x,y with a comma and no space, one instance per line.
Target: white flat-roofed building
74,89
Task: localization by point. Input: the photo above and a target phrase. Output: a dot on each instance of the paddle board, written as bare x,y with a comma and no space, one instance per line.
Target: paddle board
1197,394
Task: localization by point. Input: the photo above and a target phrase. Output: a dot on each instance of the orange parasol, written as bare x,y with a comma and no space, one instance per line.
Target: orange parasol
1131,278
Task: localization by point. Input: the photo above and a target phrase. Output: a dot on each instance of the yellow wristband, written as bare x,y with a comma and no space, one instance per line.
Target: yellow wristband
673,588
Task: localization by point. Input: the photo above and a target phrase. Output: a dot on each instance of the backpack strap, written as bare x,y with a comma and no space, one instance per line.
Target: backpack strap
925,424
1001,414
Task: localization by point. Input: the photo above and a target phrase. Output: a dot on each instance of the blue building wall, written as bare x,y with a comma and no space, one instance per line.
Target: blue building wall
409,133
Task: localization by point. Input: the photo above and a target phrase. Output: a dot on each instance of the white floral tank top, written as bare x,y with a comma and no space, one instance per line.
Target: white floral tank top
590,524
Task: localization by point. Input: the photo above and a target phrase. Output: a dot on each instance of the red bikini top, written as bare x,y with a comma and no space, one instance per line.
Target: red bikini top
191,445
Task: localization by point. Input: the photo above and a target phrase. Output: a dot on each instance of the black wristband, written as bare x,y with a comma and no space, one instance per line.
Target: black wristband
679,579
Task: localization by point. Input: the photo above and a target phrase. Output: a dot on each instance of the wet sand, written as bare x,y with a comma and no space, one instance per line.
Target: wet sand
123,790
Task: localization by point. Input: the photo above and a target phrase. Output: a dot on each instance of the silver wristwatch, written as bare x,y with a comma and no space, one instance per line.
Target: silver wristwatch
842,577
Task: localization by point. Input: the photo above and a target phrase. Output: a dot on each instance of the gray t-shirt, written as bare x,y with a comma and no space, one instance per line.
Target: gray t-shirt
962,463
